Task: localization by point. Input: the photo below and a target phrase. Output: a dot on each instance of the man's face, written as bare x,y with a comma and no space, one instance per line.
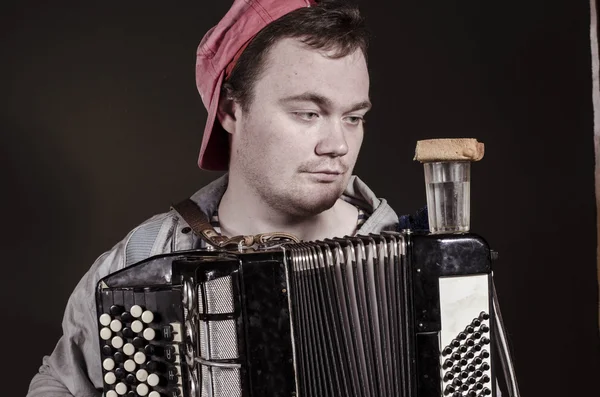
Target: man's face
297,144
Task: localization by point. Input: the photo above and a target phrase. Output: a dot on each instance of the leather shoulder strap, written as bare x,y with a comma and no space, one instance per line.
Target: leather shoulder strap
201,226
198,221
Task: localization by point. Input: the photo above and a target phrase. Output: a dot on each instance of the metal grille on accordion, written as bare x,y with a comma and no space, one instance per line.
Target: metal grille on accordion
397,314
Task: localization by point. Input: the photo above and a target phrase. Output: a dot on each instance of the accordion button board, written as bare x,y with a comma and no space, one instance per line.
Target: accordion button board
136,360
396,314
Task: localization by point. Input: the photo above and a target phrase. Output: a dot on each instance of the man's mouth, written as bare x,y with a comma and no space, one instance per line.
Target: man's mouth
326,175
327,171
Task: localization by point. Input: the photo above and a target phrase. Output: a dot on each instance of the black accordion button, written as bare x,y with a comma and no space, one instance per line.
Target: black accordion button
449,390
170,354
128,333
149,349
167,333
130,379
107,350
484,316
175,392
139,342
484,367
116,310
172,376
126,317
119,357
152,366
120,373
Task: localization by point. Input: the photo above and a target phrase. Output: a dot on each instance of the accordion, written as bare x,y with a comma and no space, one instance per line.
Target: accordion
397,314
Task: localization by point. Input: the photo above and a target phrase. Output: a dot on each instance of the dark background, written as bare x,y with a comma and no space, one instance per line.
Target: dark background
101,126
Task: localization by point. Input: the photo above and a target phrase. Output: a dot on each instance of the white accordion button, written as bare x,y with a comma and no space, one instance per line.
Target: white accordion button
108,364
137,326
129,349
154,394
116,325
129,365
136,311
111,393
141,375
110,378
147,316
105,319
142,389
121,388
105,333
149,334
117,342
153,380
139,358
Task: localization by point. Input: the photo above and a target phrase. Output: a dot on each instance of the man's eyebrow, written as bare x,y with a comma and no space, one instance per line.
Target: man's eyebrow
366,105
323,101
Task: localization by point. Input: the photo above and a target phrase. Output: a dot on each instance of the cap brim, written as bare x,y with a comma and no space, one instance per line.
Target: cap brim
214,151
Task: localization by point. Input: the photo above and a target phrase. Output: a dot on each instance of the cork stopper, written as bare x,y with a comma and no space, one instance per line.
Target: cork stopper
449,149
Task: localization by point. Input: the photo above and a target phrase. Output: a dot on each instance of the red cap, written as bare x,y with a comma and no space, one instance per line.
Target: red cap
217,53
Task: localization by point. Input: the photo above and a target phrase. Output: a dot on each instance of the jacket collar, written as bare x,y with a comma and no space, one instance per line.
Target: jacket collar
381,216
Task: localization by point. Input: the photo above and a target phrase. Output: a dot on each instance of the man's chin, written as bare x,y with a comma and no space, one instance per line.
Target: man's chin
314,201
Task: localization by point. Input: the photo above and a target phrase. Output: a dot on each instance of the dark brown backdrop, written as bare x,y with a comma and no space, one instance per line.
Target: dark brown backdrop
101,125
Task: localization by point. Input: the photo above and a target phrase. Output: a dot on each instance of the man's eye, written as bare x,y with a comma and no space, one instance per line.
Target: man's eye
307,115
355,120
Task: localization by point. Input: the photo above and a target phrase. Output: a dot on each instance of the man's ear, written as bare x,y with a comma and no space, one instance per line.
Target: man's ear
227,114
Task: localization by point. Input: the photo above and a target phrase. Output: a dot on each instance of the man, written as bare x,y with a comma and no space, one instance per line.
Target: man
286,86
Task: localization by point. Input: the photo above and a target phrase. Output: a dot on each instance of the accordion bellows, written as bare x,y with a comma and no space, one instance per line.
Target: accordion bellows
397,314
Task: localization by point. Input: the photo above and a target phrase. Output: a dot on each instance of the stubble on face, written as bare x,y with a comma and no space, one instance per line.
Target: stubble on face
275,152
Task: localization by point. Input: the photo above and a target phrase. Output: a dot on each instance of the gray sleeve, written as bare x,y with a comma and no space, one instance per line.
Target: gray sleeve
73,368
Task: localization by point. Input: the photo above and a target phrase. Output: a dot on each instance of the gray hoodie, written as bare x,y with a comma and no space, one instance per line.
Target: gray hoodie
74,367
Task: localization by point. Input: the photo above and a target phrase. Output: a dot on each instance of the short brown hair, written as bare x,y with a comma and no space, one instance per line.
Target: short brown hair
330,26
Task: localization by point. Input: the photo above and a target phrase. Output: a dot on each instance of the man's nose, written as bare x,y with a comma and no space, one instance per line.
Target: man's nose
333,140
